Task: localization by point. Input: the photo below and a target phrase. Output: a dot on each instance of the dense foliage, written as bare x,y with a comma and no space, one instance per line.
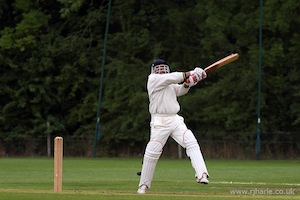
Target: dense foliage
51,54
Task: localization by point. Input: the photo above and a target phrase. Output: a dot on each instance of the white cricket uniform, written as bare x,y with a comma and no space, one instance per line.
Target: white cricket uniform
163,90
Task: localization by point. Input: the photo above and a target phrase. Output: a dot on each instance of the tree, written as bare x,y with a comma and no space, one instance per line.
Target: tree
50,55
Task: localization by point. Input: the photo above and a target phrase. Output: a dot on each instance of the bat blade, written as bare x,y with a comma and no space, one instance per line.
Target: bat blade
222,62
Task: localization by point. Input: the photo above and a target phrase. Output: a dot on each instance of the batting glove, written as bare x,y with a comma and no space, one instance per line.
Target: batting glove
192,80
200,73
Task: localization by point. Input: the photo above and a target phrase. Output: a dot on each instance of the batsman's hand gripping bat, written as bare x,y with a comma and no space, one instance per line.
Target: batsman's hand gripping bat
222,62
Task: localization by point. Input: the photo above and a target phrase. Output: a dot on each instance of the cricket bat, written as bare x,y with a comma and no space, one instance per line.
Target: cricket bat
224,61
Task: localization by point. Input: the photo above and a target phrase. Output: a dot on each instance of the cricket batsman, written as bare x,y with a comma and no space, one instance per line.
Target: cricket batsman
163,89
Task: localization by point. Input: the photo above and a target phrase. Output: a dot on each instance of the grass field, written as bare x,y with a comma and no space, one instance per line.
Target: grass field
107,178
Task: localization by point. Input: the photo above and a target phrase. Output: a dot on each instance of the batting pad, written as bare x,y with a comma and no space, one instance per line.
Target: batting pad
153,150
193,151
152,154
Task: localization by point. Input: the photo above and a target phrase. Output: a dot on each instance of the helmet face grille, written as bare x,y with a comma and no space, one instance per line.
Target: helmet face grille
160,66
160,69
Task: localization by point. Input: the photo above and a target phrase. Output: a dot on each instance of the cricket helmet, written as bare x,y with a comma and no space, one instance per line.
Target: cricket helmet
160,66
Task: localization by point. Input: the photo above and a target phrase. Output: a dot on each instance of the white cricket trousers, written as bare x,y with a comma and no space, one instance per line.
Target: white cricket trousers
163,127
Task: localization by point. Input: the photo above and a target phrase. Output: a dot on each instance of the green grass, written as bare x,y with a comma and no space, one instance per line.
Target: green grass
105,178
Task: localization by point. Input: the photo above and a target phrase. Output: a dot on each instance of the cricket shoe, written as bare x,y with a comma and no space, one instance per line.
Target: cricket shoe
203,179
142,189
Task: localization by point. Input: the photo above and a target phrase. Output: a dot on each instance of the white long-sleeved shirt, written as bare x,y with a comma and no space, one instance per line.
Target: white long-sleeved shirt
163,90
